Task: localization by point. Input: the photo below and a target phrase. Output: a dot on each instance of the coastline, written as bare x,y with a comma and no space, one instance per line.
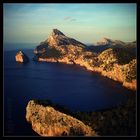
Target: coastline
115,75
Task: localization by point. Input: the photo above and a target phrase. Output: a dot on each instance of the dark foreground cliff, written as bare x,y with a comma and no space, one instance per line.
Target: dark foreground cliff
118,121
117,61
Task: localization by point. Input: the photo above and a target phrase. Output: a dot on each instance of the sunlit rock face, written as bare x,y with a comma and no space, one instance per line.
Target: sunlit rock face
47,121
21,57
57,38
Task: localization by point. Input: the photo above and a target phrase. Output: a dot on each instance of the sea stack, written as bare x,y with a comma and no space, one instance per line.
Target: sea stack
21,57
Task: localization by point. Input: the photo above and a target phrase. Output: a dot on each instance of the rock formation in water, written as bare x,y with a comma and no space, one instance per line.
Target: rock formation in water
21,57
111,62
47,121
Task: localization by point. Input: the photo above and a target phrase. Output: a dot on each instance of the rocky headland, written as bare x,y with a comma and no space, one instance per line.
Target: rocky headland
21,57
49,119
117,61
46,120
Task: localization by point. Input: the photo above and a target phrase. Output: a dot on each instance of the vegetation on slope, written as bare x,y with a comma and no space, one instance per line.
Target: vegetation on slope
118,121
51,53
129,70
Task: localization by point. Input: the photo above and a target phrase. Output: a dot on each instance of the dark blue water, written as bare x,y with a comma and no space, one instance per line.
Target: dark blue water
69,85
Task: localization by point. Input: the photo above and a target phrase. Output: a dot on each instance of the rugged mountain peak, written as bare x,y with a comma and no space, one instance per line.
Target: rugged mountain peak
57,32
57,38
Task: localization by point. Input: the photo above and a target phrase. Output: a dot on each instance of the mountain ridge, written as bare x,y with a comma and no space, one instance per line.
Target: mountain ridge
110,62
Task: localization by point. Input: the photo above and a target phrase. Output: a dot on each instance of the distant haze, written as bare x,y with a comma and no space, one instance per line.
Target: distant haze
88,23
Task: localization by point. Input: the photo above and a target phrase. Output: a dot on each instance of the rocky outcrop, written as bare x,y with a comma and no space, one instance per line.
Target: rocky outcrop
21,57
47,121
110,62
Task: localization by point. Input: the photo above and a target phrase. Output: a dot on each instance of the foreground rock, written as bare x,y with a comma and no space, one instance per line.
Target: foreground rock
47,121
117,61
21,57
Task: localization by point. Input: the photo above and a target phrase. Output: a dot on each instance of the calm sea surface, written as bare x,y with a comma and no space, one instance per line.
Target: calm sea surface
69,85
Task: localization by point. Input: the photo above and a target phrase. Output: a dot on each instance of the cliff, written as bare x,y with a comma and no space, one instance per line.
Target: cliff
47,121
115,62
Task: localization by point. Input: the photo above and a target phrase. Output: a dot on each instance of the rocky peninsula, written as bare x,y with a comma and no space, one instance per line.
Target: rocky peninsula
47,121
117,61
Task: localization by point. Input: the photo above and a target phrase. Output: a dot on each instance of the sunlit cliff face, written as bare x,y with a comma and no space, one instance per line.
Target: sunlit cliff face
47,121
19,57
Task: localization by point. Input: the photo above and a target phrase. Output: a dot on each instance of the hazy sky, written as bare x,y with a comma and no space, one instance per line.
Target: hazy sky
88,23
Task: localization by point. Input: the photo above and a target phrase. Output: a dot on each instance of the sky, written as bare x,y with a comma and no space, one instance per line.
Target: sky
88,23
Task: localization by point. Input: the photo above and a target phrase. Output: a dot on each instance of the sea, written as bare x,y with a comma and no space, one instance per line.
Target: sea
70,85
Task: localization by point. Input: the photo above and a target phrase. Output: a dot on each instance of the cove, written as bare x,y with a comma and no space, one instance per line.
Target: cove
69,85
